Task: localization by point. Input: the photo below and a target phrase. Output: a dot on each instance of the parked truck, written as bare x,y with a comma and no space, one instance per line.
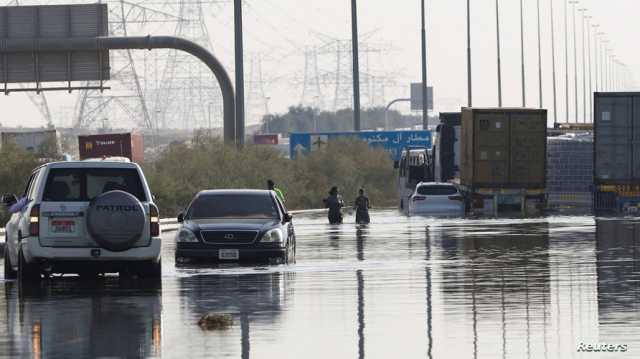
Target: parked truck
616,152
503,159
129,145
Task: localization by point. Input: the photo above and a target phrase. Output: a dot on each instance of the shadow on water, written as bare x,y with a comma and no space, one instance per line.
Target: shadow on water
69,318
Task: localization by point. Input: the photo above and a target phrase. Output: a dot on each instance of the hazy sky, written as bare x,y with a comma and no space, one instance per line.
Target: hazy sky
279,30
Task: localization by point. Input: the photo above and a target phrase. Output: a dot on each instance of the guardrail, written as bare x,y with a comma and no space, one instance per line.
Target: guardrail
171,224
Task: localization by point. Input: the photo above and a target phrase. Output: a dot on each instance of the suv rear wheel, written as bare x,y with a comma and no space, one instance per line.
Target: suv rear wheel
27,272
9,273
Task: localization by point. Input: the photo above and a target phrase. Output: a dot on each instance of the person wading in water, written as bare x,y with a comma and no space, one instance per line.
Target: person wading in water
362,208
335,203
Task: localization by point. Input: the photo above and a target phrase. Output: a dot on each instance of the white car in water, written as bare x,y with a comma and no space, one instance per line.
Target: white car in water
436,199
85,217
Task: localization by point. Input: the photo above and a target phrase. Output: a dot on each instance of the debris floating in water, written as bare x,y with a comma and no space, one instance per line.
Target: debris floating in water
215,321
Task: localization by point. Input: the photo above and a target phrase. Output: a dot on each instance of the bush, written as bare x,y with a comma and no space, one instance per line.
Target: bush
182,171
16,166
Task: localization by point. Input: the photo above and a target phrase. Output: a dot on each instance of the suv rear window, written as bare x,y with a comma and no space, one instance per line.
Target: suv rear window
80,184
237,206
437,190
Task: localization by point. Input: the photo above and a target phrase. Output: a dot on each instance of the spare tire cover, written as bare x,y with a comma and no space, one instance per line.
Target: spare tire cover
116,220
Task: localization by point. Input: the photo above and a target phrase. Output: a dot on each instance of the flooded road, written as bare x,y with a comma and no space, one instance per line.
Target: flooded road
401,287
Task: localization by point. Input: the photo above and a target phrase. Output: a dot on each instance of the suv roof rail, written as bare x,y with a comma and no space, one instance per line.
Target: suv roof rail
108,158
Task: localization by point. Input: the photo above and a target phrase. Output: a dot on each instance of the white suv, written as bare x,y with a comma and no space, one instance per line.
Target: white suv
84,217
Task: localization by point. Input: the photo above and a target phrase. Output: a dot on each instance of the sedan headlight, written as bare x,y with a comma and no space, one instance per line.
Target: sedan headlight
186,236
273,236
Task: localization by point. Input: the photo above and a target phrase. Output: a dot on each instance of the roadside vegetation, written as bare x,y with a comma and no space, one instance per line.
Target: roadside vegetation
184,169
15,170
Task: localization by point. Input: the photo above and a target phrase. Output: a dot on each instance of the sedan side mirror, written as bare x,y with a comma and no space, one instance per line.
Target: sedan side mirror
180,217
9,200
287,218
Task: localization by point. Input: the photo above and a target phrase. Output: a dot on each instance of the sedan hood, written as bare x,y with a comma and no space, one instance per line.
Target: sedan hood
232,224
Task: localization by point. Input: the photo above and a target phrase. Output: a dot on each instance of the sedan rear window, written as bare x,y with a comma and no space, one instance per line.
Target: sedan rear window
79,184
249,206
437,190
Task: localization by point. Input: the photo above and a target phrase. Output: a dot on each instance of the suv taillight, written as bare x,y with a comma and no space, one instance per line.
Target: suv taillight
154,220
34,221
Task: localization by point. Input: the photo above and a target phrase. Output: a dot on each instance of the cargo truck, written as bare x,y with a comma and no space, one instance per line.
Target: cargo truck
129,145
503,159
616,152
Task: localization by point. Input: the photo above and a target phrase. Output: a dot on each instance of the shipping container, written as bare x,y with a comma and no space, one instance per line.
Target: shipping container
503,148
129,145
266,139
617,138
38,141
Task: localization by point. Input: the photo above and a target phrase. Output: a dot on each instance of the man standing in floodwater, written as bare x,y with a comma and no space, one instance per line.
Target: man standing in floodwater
335,203
272,187
362,206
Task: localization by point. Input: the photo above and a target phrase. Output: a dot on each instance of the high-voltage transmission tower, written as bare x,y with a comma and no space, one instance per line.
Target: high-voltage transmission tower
257,101
328,75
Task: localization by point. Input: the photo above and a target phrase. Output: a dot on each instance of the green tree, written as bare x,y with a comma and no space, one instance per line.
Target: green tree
17,165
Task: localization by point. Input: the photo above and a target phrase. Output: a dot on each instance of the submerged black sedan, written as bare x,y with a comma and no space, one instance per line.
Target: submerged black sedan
236,225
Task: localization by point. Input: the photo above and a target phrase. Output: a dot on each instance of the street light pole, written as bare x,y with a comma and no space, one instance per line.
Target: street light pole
553,65
584,72
356,66
595,50
539,57
469,88
239,59
566,60
612,69
603,65
499,59
590,83
575,57
524,98
425,104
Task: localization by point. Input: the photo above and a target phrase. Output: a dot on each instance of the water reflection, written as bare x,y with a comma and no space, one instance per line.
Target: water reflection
361,235
79,319
495,277
618,272
250,298
401,287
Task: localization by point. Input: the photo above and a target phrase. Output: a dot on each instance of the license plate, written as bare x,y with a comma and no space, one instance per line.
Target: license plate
228,254
63,226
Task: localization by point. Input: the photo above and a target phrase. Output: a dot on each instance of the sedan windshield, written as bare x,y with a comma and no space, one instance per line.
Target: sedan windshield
250,206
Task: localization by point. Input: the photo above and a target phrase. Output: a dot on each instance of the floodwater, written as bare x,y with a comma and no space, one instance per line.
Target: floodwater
399,288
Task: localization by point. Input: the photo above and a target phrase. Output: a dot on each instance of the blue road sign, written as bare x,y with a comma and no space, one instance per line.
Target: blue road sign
392,141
